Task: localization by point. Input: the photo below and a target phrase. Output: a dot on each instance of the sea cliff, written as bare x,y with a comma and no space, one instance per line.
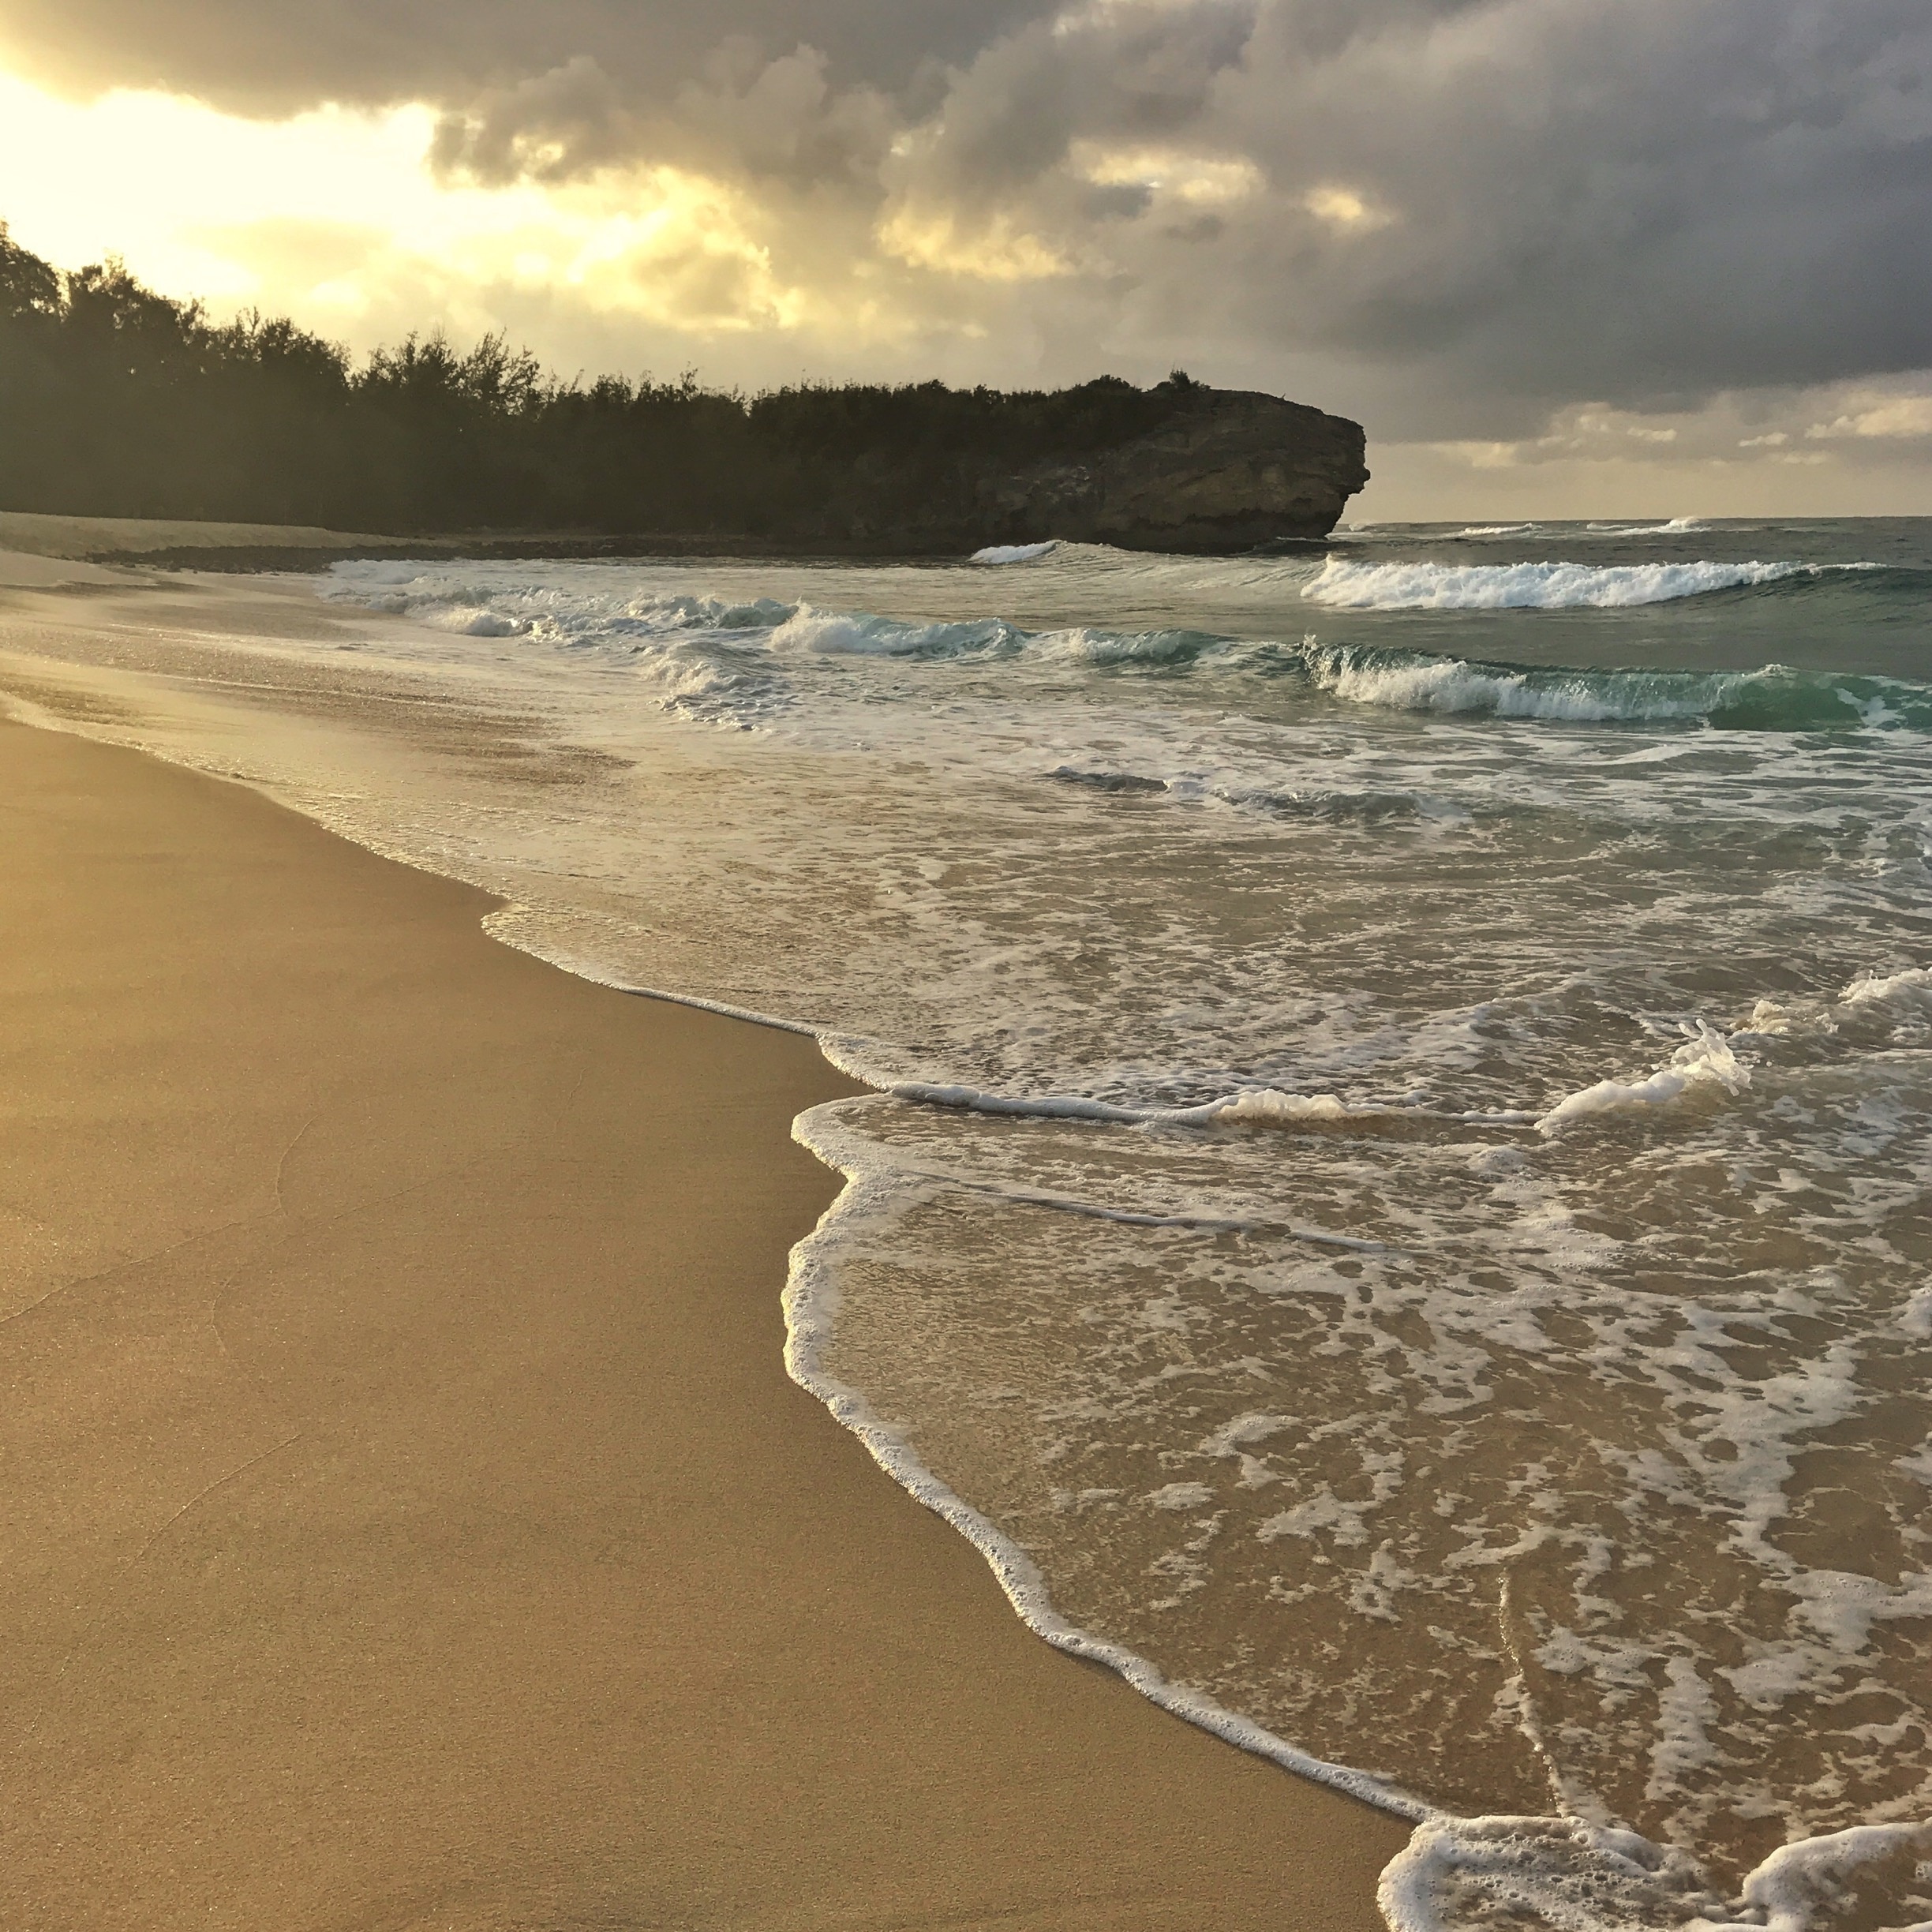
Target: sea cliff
1230,470
1187,468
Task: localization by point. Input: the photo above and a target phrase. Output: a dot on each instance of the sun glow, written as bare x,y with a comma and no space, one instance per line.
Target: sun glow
995,250
334,216
1206,180
1346,210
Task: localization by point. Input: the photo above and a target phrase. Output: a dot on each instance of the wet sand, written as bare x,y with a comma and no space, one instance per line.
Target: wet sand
409,1521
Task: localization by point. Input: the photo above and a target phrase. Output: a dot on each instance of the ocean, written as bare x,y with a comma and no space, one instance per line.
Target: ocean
1393,1201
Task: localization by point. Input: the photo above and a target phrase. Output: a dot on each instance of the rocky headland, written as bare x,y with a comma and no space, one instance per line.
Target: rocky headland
118,404
1230,470
1180,466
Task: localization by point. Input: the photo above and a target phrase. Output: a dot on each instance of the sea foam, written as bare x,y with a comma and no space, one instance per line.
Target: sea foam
1704,1060
1344,585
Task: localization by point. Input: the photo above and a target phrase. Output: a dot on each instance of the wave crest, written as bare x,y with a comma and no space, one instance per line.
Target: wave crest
1014,553
1343,586
701,646
1774,698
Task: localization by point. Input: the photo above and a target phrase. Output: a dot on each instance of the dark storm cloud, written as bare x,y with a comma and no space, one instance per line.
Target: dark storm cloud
275,56
742,114
1640,200
1634,200
1486,207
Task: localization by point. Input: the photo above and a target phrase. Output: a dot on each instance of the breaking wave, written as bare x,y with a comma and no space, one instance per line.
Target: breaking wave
1675,526
1774,699
714,654
1014,553
1342,585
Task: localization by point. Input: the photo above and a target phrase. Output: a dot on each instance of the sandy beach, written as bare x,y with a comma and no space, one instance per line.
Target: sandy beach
967,968
410,1522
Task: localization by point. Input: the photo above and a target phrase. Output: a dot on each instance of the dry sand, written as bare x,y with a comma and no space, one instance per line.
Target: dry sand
409,1523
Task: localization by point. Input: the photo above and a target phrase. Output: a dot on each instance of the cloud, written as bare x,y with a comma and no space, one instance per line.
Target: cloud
1879,415
280,56
1470,222
743,115
1493,205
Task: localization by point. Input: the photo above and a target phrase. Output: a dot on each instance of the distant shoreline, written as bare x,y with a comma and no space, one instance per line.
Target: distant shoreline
167,543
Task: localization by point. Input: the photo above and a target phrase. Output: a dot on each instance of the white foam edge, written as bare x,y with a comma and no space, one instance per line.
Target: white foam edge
498,925
1130,1217
1784,1886
845,1052
810,1306
811,1303
840,1052
1249,1105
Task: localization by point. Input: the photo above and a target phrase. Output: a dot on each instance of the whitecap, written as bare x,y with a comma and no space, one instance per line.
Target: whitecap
1343,586
467,621
1270,1105
1677,526
1014,553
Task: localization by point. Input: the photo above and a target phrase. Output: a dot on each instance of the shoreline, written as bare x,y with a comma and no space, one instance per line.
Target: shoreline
249,549
1244,1818
238,679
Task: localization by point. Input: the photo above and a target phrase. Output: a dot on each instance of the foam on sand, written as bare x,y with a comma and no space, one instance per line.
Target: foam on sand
811,1310
1560,1873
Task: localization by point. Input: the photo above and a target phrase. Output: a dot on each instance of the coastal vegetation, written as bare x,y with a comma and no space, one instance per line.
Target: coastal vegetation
117,401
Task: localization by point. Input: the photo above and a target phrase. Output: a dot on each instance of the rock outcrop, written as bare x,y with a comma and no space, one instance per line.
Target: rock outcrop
1178,467
1230,470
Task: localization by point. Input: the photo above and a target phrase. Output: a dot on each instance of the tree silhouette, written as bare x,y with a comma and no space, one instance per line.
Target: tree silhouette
116,401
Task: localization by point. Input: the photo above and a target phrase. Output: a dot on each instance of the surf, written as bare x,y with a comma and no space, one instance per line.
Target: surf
1342,585
1776,698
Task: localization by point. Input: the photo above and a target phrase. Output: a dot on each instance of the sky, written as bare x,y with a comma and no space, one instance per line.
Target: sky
1561,257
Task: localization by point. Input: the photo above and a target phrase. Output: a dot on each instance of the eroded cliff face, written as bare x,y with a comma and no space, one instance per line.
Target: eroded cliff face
1192,469
1230,470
